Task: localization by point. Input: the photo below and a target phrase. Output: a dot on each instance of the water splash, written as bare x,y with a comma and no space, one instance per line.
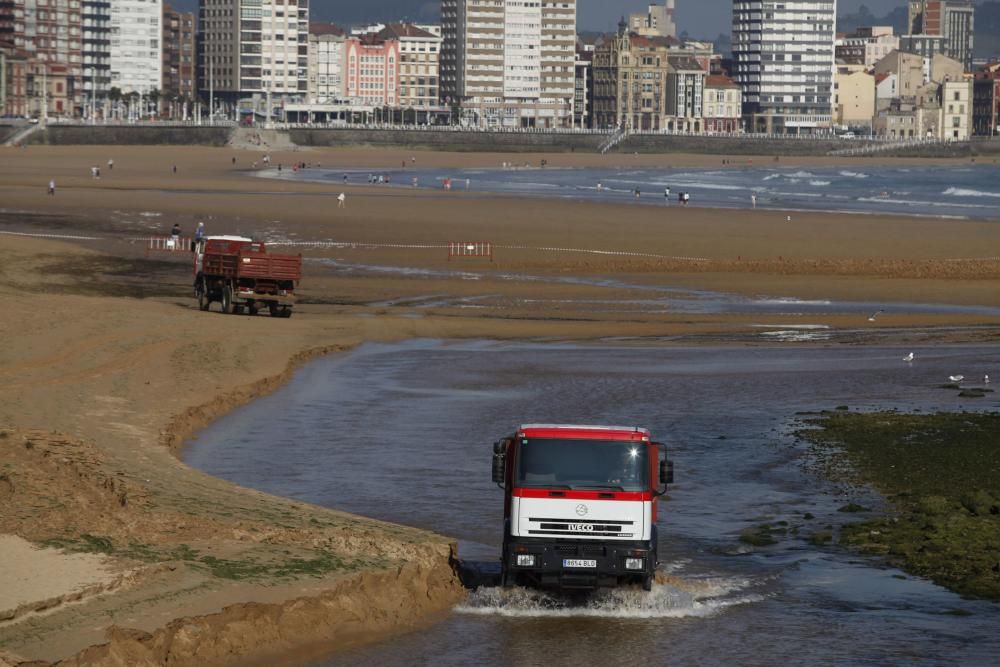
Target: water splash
671,597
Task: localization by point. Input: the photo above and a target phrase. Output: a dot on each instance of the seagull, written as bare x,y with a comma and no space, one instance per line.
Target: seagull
956,378
908,358
871,318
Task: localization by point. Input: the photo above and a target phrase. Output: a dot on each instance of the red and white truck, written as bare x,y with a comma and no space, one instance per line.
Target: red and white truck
241,274
580,505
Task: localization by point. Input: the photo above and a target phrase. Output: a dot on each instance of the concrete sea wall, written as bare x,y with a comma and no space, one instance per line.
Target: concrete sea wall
110,135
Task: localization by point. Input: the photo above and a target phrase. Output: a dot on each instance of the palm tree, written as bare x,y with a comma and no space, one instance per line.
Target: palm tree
115,95
154,99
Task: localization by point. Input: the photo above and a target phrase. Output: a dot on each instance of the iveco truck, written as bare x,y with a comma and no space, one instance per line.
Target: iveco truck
580,505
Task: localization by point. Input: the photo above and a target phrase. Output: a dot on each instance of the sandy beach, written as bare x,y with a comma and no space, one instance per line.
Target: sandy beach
108,367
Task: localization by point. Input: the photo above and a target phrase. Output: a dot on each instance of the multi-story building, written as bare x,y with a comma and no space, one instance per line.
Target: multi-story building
648,83
371,71
908,69
45,56
783,54
658,21
253,50
509,63
419,65
583,86
178,56
721,104
956,110
7,26
952,20
96,25
685,92
866,46
986,101
853,97
925,46
136,46
326,62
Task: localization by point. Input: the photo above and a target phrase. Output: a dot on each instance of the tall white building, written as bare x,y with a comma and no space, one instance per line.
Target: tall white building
509,63
783,57
136,45
326,62
253,49
96,19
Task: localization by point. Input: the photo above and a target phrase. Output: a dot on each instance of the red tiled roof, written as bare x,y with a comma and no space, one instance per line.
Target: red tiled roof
319,28
719,81
397,30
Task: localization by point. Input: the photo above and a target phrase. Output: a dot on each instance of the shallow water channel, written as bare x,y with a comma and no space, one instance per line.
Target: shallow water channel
403,433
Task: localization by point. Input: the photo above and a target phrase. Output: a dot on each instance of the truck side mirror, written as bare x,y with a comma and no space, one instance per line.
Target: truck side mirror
666,472
499,465
500,461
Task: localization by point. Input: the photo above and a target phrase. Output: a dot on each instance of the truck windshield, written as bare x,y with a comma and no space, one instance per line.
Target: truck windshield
582,464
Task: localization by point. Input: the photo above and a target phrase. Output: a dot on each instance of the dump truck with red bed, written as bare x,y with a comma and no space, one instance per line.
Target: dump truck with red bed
241,275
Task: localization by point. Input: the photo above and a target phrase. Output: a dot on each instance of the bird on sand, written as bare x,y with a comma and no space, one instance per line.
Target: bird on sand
908,357
956,378
871,318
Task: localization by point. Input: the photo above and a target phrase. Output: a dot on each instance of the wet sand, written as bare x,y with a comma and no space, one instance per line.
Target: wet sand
99,388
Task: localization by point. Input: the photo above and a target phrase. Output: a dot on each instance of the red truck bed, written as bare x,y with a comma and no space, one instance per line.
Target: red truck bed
230,259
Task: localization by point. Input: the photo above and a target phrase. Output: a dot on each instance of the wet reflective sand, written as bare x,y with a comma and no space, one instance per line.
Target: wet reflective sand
403,432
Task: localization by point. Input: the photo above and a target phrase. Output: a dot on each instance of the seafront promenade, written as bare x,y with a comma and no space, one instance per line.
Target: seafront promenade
460,139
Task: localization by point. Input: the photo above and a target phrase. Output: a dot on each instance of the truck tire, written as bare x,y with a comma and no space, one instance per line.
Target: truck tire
227,299
203,300
647,583
273,309
253,309
286,312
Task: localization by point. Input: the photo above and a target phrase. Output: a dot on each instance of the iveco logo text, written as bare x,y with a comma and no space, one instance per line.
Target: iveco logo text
581,527
581,509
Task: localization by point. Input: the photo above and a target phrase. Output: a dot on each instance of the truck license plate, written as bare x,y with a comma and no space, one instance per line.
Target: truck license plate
575,562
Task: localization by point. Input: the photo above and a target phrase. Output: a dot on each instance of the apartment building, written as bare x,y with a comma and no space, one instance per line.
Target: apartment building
854,97
326,62
96,31
866,46
649,83
43,41
509,63
953,21
371,71
136,45
253,49
419,65
956,110
722,104
178,55
986,101
783,59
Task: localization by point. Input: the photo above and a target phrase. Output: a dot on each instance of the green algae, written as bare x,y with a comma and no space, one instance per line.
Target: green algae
940,474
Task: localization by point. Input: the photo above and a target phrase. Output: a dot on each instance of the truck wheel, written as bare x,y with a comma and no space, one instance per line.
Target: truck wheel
203,301
274,310
238,310
253,309
227,299
647,583
286,312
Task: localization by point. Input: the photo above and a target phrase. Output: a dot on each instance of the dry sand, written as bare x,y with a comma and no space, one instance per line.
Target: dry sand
107,366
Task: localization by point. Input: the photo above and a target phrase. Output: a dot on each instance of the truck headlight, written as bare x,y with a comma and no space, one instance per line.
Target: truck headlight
525,560
634,563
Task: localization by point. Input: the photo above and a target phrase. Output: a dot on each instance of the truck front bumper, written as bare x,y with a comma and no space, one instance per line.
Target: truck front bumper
576,564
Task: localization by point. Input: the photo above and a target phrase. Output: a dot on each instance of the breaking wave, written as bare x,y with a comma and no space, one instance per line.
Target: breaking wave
966,192
853,174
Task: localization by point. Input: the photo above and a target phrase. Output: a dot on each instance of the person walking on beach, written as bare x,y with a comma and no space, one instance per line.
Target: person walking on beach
753,200
687,198
199,236
52,187
666,195
111,164
341,201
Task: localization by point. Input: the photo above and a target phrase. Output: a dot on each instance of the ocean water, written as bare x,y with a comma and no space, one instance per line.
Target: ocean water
968,191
